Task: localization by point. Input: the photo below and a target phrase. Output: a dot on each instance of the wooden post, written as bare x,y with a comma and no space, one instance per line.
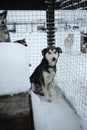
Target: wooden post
16,112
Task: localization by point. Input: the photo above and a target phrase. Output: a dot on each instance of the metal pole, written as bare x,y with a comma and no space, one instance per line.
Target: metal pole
50,22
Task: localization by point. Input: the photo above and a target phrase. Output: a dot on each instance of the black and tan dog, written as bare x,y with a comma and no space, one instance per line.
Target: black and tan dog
45,72
4,33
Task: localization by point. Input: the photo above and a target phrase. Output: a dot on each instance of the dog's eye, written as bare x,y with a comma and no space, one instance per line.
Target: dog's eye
49,52
55,52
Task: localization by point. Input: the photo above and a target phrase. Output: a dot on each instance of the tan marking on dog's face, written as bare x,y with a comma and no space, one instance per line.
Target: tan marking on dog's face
52,51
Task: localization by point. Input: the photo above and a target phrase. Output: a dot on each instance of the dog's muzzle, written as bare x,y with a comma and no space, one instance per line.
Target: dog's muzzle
3,22
54,59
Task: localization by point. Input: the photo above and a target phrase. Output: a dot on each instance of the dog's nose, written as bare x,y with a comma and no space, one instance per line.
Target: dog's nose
2,22
54,59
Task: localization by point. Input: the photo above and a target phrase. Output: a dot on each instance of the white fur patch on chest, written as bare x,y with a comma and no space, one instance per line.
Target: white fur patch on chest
3,36
48,77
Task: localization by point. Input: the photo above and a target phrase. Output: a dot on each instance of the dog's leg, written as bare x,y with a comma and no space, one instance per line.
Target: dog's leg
49,85
45,91
48,89
33,86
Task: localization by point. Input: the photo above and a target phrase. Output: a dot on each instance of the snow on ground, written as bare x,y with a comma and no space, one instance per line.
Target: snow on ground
14,77
57,115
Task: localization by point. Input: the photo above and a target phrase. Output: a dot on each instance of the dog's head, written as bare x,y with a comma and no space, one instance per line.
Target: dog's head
51,54
23,42
3,21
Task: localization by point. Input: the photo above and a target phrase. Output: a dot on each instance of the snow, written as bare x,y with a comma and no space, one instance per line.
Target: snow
13,68
84,123
57,115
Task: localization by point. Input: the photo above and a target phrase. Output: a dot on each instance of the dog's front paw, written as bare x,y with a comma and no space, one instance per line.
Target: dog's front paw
49,99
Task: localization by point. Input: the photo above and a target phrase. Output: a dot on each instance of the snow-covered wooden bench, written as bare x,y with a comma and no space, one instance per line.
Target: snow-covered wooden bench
57,115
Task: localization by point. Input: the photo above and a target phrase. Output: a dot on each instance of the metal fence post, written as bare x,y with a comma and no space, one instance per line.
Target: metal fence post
50,21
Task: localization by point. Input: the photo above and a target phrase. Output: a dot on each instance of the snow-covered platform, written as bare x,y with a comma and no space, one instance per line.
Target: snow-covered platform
57,115
14,79
13,68
15,109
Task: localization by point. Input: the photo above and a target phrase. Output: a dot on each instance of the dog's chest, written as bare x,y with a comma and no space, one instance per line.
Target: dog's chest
49,76
3,35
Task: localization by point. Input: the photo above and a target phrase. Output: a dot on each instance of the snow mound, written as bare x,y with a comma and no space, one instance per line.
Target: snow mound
13,68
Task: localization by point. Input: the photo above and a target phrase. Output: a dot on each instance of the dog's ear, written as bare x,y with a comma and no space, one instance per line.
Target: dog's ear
59,50
44,51
4,14
24,40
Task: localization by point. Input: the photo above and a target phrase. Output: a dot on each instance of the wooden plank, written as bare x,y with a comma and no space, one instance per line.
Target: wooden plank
13,105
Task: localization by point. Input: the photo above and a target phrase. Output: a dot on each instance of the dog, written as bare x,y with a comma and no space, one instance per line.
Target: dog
23,42
4,33
68,42
45,72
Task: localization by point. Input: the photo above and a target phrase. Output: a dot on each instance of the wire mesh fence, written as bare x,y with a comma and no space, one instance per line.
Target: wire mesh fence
72,70
72,65
31,26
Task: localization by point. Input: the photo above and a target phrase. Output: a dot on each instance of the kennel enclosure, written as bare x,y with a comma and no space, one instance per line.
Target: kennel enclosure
71,67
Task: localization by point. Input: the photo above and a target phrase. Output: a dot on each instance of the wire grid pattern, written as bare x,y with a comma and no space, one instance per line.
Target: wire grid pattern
72,64
27,23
